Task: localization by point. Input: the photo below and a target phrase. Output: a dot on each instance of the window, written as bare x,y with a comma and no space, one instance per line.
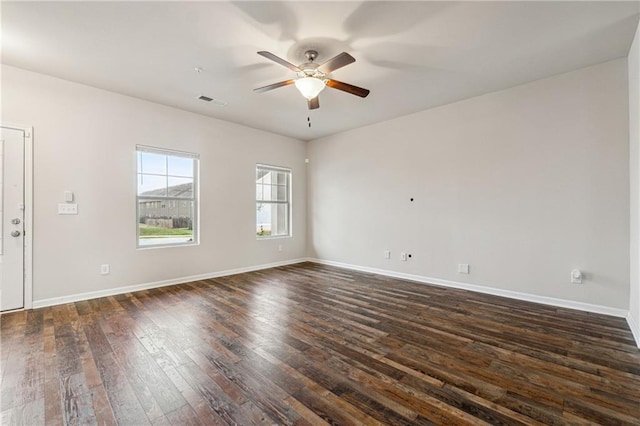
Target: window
167,197
273,201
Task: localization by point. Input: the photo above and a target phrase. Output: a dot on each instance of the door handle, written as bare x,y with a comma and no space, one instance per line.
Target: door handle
15,234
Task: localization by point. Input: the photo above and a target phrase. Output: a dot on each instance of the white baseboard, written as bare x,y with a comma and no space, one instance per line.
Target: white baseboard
621,313
146,286
634,325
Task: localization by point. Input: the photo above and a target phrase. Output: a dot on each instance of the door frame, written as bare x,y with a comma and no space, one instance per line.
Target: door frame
28,210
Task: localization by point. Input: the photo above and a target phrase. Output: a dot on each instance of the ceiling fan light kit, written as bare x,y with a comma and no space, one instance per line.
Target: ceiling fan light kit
312,78
310,87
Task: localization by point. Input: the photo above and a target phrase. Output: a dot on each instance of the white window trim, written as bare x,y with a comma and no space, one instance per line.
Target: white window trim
290,198
196,196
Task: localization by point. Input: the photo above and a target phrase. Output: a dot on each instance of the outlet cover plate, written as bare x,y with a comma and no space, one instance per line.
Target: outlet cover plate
67,208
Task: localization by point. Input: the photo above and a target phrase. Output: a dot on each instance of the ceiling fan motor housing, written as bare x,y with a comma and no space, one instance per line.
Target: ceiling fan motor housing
310,69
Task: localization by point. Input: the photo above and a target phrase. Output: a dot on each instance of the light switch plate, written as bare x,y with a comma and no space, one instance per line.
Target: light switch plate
67,208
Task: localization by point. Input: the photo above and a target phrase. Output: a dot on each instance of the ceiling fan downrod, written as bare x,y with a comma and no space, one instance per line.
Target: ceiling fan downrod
311,55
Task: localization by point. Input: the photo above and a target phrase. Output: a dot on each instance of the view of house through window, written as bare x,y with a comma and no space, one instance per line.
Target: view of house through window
273,205
166,197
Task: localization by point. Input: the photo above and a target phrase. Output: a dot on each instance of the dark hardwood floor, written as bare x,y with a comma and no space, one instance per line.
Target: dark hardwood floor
312,344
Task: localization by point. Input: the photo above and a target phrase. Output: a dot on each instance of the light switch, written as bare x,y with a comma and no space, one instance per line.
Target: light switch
67,208
68,196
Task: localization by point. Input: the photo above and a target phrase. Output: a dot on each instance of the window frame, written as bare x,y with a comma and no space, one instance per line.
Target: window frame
289,202
195,196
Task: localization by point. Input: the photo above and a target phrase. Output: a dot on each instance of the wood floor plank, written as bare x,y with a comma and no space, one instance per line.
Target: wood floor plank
77,404
183,416
101,407
311,344
122,398
31,413
222,407
310,417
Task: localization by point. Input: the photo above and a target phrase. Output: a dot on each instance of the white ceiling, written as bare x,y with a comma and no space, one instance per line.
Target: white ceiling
411,55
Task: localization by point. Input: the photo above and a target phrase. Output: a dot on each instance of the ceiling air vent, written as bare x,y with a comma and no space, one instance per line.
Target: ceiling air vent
216,102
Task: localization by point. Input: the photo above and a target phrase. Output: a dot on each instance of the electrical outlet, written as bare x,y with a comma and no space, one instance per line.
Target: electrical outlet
279,247
463,268
387,254
104,269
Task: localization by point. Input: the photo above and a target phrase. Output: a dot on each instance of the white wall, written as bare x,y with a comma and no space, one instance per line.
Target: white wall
84,141
523,184
634,166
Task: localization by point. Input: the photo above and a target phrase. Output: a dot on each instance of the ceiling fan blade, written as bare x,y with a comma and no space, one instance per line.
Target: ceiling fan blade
349,88
273,86
279,60
336,62
313,103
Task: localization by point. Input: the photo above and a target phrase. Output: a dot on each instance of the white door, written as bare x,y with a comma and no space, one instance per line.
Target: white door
12,160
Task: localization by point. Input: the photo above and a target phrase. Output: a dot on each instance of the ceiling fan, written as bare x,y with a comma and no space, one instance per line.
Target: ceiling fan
312,77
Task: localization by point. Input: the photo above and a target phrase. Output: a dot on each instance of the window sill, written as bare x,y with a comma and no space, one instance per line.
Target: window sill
156,246
274,237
